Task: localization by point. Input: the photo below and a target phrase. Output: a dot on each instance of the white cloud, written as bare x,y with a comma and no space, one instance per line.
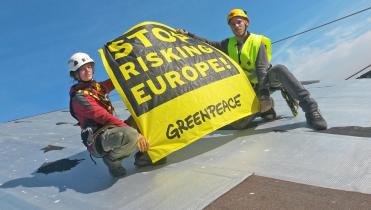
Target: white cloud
336,55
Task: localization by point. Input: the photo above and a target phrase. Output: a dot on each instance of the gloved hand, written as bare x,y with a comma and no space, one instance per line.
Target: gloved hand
182,31
266,103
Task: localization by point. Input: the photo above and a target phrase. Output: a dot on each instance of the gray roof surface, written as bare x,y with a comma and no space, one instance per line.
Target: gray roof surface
339,158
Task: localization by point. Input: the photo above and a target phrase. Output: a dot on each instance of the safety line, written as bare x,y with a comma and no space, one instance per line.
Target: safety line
311,29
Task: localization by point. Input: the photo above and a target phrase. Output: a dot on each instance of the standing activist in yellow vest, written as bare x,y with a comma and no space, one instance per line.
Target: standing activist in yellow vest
253,53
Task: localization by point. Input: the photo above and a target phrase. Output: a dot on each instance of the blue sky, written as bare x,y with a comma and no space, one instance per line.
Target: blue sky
38,37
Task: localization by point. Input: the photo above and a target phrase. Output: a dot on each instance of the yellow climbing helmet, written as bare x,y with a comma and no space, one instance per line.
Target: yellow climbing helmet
236,13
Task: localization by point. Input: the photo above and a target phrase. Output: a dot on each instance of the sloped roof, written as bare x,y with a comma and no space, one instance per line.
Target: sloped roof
45,166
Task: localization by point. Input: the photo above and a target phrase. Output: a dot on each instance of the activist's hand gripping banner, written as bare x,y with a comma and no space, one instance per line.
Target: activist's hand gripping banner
177,88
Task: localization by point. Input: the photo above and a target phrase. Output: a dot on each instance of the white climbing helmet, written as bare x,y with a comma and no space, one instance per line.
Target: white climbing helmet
77,60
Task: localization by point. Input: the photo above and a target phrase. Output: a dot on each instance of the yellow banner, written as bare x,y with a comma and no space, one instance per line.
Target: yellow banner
177,88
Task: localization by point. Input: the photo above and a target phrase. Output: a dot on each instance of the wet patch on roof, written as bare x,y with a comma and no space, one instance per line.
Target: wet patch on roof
308,82
22,121
279,130
67,123
326,86
63,123
58,166
349,131
51,148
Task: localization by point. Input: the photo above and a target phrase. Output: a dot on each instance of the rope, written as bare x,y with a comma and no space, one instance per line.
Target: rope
328,23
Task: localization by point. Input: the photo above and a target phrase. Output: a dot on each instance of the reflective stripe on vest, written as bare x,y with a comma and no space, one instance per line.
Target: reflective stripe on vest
249,53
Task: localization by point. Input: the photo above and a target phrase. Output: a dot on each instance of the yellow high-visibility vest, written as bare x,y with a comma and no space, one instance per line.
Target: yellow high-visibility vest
249,53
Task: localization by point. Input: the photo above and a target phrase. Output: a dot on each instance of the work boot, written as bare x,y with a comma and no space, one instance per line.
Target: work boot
115,168
270,115
142,159
266,103
315,120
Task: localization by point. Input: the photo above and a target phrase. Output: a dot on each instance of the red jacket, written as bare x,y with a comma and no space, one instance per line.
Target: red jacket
90,105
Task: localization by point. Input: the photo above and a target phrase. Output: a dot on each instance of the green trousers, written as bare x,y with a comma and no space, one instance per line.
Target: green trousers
118,142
